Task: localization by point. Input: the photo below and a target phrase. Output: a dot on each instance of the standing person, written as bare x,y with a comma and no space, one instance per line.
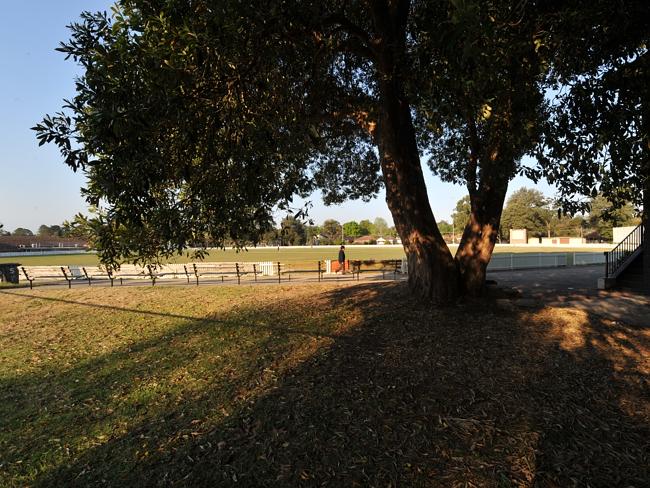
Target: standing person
342,259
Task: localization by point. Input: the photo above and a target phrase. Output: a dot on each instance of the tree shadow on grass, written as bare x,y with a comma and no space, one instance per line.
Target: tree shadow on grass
403,395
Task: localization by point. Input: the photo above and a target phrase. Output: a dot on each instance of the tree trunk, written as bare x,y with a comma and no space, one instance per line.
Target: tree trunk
480,236
432,271
433,274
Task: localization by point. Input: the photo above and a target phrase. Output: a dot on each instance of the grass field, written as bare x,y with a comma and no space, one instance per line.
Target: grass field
325,385
284,255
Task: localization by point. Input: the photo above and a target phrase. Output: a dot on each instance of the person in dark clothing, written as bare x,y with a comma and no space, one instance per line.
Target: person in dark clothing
342,259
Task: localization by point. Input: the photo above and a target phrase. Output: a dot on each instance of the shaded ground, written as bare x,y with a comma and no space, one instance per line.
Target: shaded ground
323,385
575,287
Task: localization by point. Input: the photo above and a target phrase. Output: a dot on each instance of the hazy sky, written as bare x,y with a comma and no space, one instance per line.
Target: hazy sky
35,186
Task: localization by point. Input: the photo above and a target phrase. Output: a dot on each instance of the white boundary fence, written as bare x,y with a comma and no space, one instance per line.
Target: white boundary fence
584,258
515,261
526,260
266,268
43,252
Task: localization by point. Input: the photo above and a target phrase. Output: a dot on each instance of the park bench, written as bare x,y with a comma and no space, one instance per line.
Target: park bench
96,273
129,272
155,272
355,268
391,266
220,270
47,274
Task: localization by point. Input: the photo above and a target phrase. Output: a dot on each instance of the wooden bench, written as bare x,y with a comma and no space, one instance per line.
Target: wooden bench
96,273
155,272
47,274
129,272
391,266
355,268
222,270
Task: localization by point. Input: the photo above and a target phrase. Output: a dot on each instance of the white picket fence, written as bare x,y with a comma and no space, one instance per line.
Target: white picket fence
267,268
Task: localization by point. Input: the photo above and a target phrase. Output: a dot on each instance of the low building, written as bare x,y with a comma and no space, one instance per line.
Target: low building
553,241
365,240
518,236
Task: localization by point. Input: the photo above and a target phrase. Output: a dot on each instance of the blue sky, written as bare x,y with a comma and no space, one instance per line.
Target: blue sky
35,186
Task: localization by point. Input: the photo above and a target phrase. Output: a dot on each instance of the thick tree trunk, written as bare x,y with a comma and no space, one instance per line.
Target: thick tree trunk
432,271
433,274
479,238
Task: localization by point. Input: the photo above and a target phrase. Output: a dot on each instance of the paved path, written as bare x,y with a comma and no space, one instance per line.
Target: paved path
576,287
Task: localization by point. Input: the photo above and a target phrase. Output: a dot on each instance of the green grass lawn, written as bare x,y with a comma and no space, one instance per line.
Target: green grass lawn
283,255
321,385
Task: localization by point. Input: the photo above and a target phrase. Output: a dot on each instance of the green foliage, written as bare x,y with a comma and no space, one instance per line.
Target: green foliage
366,228
603,215
196,125
311,233
445,227
461,214
481,104
50,231
351,229
596,140
292,232
182,110
527,209
20,231
380,227
331,232
568,226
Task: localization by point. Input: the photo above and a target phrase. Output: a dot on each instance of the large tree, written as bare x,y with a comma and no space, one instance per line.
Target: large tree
603,216
21,231
597,140
50,231
331,231
461,215
293,232
528,209
351,229
193,123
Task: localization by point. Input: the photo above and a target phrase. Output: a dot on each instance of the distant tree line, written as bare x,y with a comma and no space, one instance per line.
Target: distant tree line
295,232
80,227
530,209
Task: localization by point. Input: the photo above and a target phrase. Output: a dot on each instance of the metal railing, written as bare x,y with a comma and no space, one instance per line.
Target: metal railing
618,256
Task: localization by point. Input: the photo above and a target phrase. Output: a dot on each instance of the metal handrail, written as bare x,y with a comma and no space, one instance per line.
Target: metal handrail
618,256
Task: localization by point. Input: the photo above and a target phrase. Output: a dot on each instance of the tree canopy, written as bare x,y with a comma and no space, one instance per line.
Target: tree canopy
461,214
351,229
21,231
194,123
527,209
603,216
597,136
